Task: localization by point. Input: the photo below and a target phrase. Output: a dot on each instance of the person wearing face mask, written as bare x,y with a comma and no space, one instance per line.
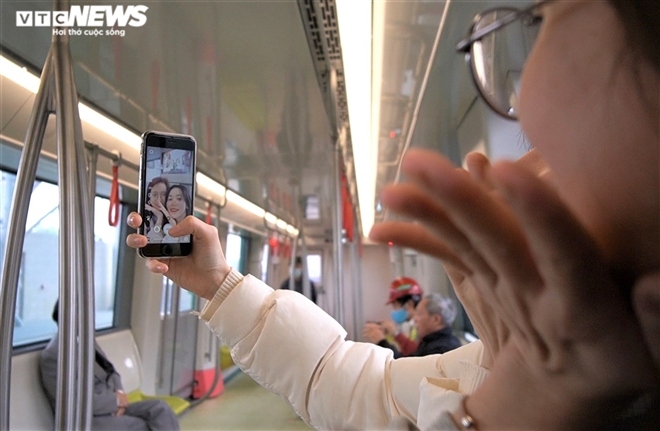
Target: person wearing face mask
400,333
298,280
540,268
434,316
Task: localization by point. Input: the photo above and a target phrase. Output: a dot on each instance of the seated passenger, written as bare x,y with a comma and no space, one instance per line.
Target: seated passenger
110,407
434,316
400,332
542,268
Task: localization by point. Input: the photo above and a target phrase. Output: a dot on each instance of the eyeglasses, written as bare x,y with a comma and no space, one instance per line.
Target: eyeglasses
496,57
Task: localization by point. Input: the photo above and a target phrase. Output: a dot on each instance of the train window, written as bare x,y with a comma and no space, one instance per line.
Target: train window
187,301
38,278
314,268
237,251
264,261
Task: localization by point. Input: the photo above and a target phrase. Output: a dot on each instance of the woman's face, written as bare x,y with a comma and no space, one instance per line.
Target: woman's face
581,108
158,193
176,205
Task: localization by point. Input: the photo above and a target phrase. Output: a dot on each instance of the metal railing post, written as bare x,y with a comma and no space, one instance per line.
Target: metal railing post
57,94
337,238
76,258
25,176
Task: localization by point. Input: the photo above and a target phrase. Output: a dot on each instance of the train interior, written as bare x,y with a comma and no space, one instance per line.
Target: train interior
302,110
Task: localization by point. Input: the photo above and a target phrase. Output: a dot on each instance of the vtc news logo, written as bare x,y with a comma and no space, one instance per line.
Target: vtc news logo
85,16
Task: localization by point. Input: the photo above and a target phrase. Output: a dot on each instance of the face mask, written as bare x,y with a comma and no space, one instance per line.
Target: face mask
297,272
399,316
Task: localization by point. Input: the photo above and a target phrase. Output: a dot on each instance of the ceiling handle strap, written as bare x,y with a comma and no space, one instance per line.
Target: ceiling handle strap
209,218
113,211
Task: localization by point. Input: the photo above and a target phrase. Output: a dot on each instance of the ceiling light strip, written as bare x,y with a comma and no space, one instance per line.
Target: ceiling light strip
21,76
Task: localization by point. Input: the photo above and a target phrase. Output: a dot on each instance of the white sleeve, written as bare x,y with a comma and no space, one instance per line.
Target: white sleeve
293,348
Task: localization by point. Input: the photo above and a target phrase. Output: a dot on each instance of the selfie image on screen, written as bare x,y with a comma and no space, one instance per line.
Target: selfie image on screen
168,186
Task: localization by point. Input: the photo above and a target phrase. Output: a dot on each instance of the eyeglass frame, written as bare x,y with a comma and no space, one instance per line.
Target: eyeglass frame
465,45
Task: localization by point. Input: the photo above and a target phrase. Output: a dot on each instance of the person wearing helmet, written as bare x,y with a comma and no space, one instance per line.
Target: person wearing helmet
400,333
404,296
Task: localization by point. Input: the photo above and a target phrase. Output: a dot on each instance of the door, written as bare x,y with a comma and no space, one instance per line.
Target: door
178,342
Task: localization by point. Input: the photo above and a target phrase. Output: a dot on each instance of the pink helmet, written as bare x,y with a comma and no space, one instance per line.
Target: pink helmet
403,286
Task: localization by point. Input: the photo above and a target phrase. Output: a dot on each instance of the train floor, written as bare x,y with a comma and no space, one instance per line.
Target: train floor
244,405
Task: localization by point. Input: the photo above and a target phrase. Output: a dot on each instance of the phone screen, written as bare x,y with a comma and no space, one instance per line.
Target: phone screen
167,190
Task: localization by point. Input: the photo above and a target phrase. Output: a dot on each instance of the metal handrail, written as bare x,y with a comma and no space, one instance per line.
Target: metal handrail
76,265
337,238
27,168
57,94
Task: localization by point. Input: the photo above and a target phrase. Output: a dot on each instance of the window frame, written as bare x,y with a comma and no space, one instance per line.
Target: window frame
47,171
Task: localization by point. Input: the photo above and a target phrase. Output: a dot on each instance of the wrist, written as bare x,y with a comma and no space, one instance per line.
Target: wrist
216,284
231,280
517,396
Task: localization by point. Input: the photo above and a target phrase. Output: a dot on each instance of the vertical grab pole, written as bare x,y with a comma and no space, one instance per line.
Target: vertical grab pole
56,94
88,316
356,289
76,259
337,237
306,286
358,272
25,176
292,263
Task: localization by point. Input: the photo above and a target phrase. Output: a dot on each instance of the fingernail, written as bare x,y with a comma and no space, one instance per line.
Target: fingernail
136,241
131,219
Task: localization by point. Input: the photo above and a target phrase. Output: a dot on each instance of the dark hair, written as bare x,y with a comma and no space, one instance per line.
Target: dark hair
640,20
158,180
405,298
152,184
298,260
186,196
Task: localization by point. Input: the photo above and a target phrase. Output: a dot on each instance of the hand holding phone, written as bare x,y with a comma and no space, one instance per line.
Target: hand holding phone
166,191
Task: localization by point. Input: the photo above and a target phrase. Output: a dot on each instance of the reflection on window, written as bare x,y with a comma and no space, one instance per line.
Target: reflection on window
186,301
235,251
314,268
39,272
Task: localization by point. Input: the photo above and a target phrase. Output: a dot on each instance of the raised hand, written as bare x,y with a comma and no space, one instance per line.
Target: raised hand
538,269
203,271
389,327
373,332
427,237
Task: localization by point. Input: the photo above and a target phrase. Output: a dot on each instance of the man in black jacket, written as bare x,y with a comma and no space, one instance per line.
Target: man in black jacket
434,316
298,280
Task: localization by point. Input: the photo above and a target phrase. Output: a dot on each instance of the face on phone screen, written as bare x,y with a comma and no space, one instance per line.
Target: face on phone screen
168,180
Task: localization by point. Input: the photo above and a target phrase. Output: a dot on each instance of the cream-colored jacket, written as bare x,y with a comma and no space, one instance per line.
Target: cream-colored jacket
293,348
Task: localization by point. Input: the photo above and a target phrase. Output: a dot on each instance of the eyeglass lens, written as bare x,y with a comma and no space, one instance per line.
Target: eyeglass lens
497,59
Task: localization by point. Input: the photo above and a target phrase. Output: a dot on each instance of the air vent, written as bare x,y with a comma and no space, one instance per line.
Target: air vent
320,29
320,22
